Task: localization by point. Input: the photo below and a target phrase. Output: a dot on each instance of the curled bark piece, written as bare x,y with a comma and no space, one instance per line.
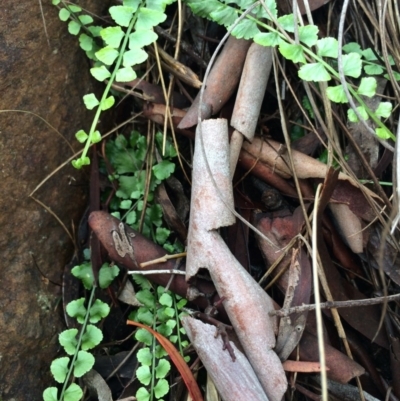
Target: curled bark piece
250,95
235,381
251,91
246,303
212,157
221,82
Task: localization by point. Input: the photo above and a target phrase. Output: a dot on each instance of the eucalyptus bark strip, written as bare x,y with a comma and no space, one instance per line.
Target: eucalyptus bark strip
253,83
246,304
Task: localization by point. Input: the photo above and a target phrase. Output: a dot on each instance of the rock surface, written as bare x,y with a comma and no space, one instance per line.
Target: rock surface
47,79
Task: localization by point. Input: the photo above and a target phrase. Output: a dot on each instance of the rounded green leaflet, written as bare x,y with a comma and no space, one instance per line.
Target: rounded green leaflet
100,73
68,340
148,18
161,388
142,394
125,204
112,36
84,271
143,374
352,47
384,109
125,74
74,27
77,309
162,235
367,86
352,116
352,65
133,57
225,15
315,72
64,14
267,39
90,101
107,103
383,133
81,136
336,94
328,47
107,55
308,34
144,336
85,19
246,29
131,217
85,42
144,356
141,38
292,52
83,363
146,297
163,170
50,394
287,22
162,369
91,338
145,316
107,274
98,311
96,137
373,69
122,15
59,369
165,299
74,8
73,393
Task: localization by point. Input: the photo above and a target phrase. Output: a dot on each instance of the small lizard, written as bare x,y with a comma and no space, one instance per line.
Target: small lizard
122,243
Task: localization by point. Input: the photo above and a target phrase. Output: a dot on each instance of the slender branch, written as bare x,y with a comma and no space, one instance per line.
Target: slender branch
336,305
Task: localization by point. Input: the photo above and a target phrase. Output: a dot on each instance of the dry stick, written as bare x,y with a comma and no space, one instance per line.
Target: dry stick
395,215
150,272
335,304
162,259
316,268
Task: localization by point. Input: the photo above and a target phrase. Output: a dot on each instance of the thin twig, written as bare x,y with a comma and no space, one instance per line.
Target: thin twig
163,259
335,304
150,272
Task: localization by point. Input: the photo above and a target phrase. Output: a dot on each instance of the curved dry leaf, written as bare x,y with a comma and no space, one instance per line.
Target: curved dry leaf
97,386
350,225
